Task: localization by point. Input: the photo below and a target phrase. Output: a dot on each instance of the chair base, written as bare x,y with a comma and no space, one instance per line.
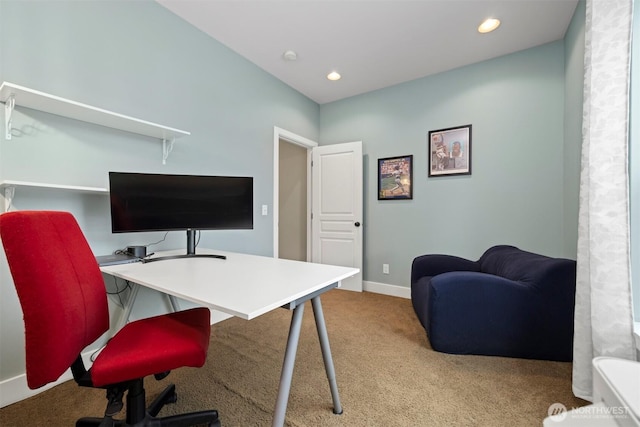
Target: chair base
209,418
168,395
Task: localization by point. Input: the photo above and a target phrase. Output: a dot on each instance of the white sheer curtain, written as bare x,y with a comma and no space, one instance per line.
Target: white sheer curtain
603,318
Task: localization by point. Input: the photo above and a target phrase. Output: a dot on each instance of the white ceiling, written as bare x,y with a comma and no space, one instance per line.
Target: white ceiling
372,44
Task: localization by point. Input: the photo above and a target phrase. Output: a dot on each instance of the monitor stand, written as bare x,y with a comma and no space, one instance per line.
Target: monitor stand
191,251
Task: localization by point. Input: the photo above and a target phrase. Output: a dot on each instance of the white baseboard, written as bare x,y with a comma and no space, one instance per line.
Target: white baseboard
385,289
15,389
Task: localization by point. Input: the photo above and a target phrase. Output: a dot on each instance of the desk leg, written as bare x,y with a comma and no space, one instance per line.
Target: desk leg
287,367
326,353
174,303
124,317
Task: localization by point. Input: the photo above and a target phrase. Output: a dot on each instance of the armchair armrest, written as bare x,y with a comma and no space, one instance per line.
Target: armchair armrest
432,265
459,291
479,313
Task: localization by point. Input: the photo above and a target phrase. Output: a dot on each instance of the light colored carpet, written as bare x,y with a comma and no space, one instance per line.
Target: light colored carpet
387,375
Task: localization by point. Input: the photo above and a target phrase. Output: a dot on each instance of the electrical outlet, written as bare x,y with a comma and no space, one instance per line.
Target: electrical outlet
265,210
385,268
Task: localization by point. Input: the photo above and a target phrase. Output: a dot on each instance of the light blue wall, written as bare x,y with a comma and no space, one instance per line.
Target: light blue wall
573,97
515,194
138,59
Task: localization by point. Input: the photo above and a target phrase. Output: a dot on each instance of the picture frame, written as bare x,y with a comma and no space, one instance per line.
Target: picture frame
395,178
449,151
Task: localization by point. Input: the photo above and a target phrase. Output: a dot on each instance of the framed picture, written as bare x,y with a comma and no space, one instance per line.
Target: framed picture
450,151
395,178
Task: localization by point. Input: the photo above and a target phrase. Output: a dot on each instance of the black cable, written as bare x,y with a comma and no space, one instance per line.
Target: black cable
119,292
159,241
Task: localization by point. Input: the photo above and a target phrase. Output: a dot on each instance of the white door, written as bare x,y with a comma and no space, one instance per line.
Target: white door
336,224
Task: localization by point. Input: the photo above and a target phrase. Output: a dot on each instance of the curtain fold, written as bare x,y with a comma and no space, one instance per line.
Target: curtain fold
603,315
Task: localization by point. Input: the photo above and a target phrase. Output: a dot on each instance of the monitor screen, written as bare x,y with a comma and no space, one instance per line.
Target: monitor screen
164,202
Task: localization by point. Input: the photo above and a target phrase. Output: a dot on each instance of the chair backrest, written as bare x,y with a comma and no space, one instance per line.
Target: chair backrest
60,287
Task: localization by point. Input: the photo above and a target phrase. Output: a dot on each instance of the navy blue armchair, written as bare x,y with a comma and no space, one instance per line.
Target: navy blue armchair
509,303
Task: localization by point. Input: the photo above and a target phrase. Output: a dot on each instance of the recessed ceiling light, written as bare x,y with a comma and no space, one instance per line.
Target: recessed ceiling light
334,76
488,25
290,55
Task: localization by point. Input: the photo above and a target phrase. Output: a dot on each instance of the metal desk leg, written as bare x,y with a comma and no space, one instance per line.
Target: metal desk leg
126,313
326,353
174,303
287,366
124,317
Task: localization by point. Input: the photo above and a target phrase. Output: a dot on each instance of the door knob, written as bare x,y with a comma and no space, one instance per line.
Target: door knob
357,224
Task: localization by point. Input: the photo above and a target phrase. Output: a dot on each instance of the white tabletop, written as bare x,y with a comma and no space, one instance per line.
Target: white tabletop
242,285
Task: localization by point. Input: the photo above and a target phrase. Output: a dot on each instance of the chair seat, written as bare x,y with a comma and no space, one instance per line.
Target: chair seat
154,345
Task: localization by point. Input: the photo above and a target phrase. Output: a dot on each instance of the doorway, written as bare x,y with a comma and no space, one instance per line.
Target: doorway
292,191
291,188
318,203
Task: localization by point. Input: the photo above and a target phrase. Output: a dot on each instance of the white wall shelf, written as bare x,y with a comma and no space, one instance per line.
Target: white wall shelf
9,187
13,95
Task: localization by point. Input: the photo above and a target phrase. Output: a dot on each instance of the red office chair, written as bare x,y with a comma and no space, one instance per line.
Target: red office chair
65,309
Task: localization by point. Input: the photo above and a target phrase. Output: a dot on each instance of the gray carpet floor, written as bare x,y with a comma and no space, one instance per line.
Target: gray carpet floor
387,375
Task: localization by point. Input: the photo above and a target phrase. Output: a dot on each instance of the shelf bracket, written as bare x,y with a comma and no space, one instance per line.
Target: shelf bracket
9,192
9,105
167,147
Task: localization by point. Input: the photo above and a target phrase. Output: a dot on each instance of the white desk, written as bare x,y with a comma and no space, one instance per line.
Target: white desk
247,286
